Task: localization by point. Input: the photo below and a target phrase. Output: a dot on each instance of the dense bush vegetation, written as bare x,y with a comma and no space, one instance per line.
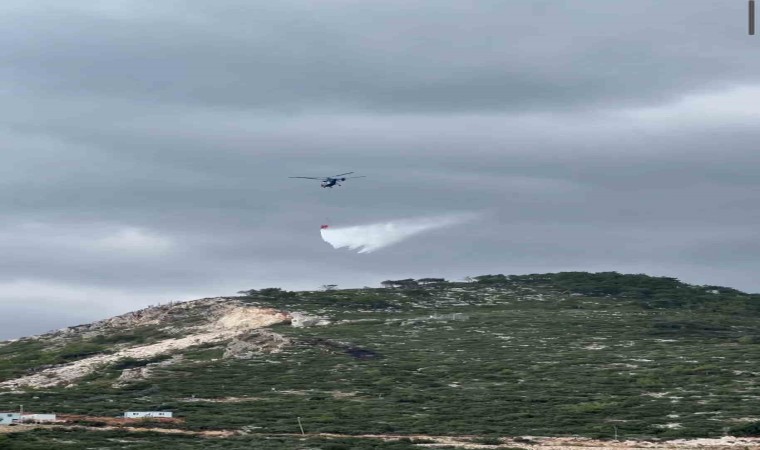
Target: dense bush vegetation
74,439
749,429
543,354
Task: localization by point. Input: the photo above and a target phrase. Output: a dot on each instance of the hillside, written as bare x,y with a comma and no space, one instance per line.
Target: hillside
568,354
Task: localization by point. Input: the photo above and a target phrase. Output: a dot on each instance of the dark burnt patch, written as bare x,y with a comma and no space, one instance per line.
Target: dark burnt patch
347,348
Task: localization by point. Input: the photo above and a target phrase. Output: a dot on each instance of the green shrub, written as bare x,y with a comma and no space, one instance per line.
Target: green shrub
751,429
487,440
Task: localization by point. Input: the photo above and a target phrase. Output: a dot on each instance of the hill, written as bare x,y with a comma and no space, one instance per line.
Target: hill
567,354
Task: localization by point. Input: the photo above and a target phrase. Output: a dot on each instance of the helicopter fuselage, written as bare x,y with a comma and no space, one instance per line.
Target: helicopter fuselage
330,182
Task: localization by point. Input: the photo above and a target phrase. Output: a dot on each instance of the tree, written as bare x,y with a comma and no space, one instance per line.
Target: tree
271,291
406,283
426,281
276,293
491,279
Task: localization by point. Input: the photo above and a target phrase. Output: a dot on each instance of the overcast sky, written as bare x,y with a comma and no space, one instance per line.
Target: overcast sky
146,145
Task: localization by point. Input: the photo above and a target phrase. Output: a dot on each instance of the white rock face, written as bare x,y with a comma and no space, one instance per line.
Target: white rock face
254,343
300,320
228,322
140,373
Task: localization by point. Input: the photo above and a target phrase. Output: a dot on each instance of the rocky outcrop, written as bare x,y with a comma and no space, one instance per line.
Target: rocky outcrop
300,320
223,323
140,373
153,315
255,343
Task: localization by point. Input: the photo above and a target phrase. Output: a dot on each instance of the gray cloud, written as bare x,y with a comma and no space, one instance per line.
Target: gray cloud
392,56
146,147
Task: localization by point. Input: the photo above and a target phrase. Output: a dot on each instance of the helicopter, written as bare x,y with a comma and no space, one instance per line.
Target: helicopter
333,180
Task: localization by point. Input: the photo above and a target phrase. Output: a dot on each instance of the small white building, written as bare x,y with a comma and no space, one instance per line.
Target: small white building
148,414
7,418
38,418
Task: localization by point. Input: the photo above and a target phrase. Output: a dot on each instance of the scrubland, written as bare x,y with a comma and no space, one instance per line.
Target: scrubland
603,356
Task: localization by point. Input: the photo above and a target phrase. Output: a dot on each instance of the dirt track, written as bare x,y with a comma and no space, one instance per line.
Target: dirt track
550,443
529,443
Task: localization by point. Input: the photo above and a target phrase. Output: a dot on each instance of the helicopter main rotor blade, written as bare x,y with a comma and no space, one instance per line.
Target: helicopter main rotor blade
362,176
341,174
309,178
